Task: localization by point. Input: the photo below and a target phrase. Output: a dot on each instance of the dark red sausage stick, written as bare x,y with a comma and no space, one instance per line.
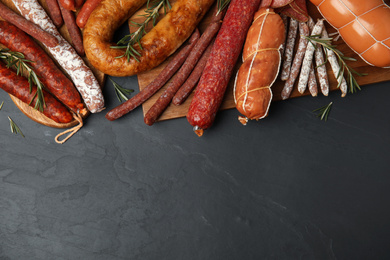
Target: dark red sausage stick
162,103
73,30
223,57
85,12
27,26
67,4
55,12
19,87
188,86
78,3
157,83
50,75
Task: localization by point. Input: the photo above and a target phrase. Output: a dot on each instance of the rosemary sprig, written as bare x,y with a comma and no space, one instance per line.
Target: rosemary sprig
18,61
120,91
151,15
14,128
222,4
323,112
344,67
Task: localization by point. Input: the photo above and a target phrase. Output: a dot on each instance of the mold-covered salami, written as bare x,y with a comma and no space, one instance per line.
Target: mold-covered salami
66,56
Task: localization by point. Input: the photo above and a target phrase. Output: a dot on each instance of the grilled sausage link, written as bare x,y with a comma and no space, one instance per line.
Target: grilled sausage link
163,40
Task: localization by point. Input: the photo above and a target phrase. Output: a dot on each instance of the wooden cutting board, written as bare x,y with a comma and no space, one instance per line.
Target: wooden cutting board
30,111
374,75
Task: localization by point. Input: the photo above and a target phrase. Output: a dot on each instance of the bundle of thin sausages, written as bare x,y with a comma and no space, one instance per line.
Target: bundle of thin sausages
308,62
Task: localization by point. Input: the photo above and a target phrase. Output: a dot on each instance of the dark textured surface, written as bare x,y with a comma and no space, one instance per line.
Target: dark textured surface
287,187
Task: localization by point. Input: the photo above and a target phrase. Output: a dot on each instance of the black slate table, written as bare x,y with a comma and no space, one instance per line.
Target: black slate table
287,187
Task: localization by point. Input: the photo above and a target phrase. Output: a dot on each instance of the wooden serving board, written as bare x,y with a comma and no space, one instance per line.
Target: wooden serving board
30,111
374,75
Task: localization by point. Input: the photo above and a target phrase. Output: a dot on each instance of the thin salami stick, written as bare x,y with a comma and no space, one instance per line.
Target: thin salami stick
85,12
81,75
308,59
296,65
27,26
312,82
55,12
204,41
157,83
320,65
285,20
73,30
188,86
335,67
288,53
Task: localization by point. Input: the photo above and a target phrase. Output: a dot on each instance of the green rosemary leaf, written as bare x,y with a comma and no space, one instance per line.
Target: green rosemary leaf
151,15
222,4
323,112
1,105
17,61
14,128
121,92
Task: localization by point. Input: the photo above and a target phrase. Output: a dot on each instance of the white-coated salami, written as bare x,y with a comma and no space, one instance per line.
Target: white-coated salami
320,65
308,59
312,82
335,67
66,56
297,62
289,49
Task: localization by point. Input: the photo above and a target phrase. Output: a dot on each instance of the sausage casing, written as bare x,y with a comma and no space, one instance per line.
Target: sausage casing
363,25
163,40
252,90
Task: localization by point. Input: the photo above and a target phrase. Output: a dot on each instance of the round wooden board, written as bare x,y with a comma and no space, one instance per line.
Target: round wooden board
40,118
32,113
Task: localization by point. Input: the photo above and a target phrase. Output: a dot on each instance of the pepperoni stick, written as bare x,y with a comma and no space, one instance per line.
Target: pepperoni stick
204,41
18,86
73,30
308,58
27,26
335,67
218,70
85,12
288,53
54,12
157,83
81,75
50,75
188,86
297,62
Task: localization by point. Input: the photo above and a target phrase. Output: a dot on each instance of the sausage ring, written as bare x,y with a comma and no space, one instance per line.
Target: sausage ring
163,40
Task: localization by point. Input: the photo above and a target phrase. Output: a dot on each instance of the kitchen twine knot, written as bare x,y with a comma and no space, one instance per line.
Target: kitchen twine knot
71,131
